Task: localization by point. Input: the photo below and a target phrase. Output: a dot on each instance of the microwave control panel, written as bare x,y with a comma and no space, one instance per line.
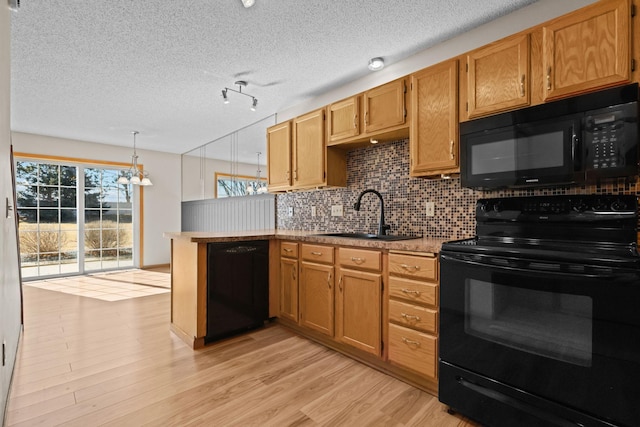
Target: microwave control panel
611,141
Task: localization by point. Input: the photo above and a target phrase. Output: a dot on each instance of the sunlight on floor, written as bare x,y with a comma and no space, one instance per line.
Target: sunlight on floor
110,286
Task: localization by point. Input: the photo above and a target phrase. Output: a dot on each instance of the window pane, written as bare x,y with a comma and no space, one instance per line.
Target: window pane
92,239
68,197
109,215
68,176
48,242
48,196
26,195
69,216
109,178
92,197
26,173
48,216
125,195
29,245
125,216
91,218
27,216
125,236
91,177
109,238
49,174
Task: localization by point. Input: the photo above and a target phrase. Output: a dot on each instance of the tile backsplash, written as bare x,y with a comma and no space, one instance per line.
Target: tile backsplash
385,168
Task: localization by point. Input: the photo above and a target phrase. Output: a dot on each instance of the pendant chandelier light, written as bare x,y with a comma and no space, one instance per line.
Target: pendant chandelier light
132,175
260,186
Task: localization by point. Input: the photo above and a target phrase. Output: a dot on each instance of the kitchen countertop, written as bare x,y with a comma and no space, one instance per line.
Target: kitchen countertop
420,244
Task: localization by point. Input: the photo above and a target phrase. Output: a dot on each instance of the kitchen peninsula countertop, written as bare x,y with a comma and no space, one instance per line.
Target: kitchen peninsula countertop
419,244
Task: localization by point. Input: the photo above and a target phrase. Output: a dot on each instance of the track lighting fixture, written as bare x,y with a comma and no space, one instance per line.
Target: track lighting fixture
240,84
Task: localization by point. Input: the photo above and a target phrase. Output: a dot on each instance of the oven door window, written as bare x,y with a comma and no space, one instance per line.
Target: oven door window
549,324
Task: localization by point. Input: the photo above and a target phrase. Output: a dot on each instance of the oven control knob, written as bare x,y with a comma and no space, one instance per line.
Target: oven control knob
579,206
618,205
497,207
600,205
484,206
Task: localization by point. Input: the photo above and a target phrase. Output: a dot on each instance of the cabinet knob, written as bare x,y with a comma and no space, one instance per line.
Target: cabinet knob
451,144
522,80
355,121
549,78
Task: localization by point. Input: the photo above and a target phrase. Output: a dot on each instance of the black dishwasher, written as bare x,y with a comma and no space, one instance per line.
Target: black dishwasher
237,287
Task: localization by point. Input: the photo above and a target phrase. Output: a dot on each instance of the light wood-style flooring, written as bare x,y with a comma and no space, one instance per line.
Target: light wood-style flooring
88,362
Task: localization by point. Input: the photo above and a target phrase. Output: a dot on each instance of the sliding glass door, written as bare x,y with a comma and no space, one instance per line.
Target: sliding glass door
74,218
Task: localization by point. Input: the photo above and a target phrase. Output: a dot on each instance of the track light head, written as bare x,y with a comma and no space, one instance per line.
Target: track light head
254,105
224,96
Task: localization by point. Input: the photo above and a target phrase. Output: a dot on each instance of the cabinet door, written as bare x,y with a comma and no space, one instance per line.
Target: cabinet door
497,76
587,49
316,297
343,121
309,150
384,106
289,288
279,156
434,127
358,310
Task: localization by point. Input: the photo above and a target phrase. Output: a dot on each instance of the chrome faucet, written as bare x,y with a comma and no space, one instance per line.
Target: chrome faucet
382,227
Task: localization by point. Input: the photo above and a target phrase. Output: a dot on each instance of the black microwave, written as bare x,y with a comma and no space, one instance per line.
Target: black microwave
572,141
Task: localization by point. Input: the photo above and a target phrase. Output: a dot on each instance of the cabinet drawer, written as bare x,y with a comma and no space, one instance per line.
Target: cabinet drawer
413,266
317,253
289,249
413,316
413,350
414,291
360,258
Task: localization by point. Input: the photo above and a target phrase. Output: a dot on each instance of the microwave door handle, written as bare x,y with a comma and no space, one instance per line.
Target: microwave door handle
575,146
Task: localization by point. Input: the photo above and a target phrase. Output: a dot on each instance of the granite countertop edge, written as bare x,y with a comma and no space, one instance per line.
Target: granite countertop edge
419,244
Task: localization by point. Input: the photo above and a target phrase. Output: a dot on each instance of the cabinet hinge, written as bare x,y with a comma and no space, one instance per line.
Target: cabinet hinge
633,64
324,175
633,10
467,67
405,88
466,106
381,345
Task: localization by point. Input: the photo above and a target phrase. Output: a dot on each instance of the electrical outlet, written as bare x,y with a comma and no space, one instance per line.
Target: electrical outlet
290,211
337,210
313,211
430,208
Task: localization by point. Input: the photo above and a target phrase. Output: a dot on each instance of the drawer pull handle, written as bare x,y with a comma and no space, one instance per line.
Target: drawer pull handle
316,253
410,267
410,342
329,281
293,273
358,260
288,250
410,291
522,80
340,284
549,78
410,317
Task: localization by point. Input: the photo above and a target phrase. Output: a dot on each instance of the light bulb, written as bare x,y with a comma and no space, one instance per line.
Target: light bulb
135,180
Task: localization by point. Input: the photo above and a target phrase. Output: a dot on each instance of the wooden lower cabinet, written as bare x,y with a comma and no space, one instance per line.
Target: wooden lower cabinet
413,313
377,307
289,280
358,310
317,289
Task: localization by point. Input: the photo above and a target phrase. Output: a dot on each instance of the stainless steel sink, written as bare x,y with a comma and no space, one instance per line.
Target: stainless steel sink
367,236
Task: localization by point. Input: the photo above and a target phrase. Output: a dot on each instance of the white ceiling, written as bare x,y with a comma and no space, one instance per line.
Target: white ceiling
94,70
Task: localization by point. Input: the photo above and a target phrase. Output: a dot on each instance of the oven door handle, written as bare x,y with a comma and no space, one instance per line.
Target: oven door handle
492,261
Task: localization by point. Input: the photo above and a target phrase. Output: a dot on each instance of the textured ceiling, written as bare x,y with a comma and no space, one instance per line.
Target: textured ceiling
94,70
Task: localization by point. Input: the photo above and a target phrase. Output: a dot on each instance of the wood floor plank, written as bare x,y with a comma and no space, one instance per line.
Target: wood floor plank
85,362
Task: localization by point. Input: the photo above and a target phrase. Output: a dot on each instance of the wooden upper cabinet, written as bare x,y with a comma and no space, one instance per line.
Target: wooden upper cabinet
587,49
384,106
498,76
279,156
434,126
309,150
343,119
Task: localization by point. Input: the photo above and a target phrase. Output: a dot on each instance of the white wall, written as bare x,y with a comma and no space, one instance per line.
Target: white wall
10,299
161,201
527,17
